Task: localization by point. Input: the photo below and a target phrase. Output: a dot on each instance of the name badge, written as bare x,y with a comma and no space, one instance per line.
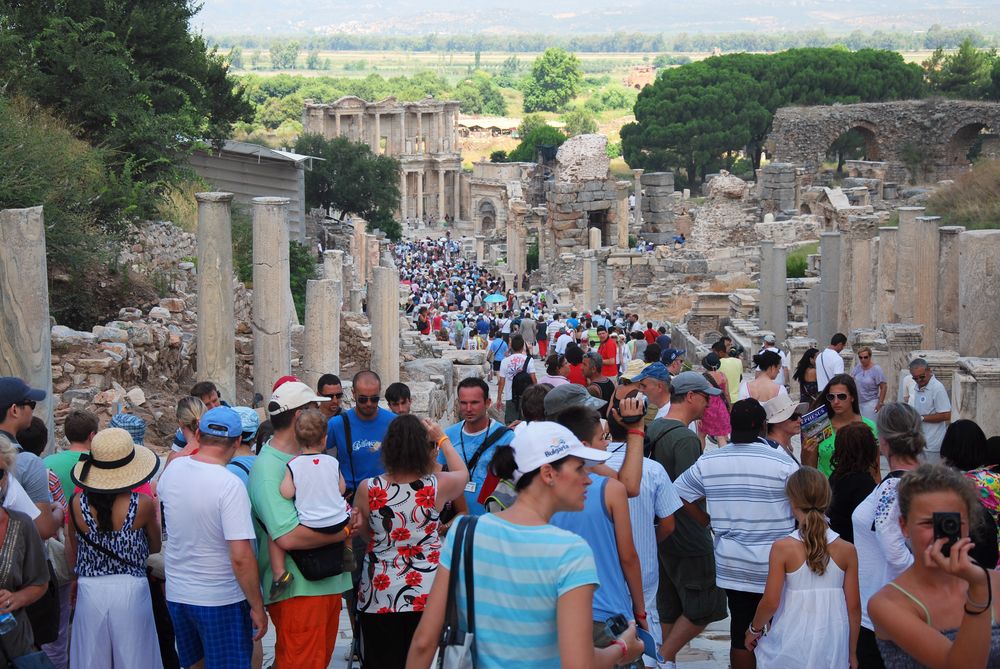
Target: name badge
470,486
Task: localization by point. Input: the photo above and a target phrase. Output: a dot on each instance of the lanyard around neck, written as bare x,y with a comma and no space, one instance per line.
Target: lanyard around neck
461,440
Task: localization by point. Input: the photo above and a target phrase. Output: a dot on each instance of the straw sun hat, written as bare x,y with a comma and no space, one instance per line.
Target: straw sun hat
115,463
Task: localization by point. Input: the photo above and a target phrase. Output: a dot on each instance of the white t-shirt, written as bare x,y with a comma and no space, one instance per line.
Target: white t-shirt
18,500
932,398
317,490
511,365
562,342
828,365
204,507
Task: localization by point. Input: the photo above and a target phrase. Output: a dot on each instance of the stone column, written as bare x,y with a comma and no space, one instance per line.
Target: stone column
797,347
333,265
420,194
336,118
508,281
948,280
591,279
25,330
976,393
372,259
829,245
979,293
322,330
383,310
377,149
402,131
420,132
764,285
404,214
480,249
856,283
594,237
779,291
271,289
621,206
457,195
902,340
638,198
359,252
356,301
906,255
441,208
925,261
216,340
885,282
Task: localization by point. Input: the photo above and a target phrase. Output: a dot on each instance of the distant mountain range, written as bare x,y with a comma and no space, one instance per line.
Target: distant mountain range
568,17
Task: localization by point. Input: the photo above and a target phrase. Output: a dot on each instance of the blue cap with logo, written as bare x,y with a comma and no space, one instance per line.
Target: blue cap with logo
14,391
221,422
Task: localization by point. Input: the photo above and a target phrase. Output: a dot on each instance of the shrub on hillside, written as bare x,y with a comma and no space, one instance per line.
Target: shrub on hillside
973,200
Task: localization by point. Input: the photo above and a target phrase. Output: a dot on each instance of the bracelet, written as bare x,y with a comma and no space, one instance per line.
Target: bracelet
760,632
442,439
347,530
622,644
640,616
638,433
989,597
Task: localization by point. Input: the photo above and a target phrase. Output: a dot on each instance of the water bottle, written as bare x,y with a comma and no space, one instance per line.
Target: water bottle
7,623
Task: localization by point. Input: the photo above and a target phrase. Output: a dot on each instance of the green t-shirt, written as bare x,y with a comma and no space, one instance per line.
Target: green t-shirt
62,464
826,449
279,516
677,448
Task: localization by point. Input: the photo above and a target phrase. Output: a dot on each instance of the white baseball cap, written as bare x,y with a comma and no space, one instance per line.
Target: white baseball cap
542,442
292,395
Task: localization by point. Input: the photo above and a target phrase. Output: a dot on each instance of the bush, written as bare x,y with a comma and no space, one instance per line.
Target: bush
532,256
302,267
973,200
796,262
499,157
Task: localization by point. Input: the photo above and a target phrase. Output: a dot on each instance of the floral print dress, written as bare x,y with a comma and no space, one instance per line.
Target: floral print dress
987,482
404,549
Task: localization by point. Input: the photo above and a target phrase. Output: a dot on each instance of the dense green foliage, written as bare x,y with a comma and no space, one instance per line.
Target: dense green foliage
555,79
968,73
698,117
618,42
301,268
129,76
527,150
352,180
479,94
580,121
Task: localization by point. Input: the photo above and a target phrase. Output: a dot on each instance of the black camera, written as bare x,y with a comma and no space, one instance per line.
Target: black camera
632,420
616,625
947,524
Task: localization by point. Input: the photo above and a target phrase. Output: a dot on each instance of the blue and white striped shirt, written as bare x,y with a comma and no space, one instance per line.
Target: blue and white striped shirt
744,490
520,572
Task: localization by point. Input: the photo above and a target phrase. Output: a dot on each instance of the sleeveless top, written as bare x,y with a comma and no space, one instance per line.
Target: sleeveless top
404,549
318,501
594,525
131,545
894,657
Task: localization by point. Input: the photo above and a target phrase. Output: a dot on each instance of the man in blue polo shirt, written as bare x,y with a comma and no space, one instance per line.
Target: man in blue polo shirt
470,434
368,425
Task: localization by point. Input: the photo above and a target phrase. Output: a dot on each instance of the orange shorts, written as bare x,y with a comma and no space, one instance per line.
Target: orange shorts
306,630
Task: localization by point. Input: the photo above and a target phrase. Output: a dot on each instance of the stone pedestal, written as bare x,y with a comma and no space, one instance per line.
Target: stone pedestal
979,293
829,246
885,282
901,339
947,287
356,301
480,249
383,308
925,260
333,265
976,393
591,279
594,237
272,306
773,289
322,330
25,330
517,243
216,340
508,281
906,266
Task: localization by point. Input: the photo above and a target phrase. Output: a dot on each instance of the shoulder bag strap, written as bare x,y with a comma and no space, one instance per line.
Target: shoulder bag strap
470,601
349,445
451,610
489,441
96,546
527,361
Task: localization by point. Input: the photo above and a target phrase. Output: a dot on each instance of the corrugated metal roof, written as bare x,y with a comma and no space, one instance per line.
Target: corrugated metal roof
248,149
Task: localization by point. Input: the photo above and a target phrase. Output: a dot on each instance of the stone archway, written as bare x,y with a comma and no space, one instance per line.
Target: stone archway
486,214
958,150
858,141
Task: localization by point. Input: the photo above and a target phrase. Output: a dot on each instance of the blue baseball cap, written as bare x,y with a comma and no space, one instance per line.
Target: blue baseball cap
657,371
13,390
250,421
221,422
670,355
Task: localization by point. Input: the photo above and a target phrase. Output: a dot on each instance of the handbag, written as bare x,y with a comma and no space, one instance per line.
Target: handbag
35,659
457,649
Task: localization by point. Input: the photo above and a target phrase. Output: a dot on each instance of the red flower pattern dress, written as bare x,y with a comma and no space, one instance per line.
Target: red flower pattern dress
404,548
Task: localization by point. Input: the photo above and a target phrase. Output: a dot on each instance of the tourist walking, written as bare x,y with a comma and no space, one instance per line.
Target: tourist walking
111,533
871,382
784,417
715,422
810,611
518,361
883,552
840,398
805,374
855,474
763,387
398,516
556,370
829,363
770,344
548,465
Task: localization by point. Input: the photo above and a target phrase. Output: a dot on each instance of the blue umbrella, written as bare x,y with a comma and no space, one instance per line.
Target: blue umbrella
495,297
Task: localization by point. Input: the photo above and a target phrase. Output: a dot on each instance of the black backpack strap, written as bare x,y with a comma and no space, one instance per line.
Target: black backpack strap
240,465
349,444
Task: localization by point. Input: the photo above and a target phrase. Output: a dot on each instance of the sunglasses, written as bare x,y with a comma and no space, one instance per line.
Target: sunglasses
367,399
863,357
24,403
916,377
334,396
795,416
837,396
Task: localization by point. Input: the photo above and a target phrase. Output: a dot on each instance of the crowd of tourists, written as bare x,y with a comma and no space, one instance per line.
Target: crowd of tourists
599,509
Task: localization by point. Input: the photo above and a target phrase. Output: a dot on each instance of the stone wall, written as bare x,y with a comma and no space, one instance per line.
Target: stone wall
658,204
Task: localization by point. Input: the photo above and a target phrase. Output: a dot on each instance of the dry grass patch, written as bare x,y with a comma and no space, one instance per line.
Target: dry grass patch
973,200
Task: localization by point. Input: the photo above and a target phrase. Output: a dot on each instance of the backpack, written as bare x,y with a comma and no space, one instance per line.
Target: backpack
521,382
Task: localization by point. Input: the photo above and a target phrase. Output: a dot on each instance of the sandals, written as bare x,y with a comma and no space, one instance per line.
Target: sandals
280,584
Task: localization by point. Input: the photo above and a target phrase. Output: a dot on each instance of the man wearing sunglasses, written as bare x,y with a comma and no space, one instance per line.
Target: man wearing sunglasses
931,401
330,387
17,405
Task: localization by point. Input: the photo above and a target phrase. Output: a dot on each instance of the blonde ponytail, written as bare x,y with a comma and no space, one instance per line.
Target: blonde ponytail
809,491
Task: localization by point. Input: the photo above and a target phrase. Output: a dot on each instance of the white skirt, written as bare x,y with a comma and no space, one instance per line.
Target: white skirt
113,625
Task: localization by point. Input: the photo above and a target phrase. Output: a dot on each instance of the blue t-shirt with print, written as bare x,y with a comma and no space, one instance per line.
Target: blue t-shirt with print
365,460
467,445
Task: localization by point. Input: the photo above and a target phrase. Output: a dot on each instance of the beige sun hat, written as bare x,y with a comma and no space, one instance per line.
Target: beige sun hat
115,463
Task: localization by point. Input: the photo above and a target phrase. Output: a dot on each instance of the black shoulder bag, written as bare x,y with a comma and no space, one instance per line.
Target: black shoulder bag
458,648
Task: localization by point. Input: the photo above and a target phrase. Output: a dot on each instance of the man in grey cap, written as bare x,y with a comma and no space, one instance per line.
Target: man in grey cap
688,599
569,395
